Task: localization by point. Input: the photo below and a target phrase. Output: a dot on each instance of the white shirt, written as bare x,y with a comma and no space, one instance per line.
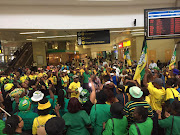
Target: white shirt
152,65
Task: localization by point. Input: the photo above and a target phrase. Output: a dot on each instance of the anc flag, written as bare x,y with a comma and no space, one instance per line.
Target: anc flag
127,57
173,59
140,69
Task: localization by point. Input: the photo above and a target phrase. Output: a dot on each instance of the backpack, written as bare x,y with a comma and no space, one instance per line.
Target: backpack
41,129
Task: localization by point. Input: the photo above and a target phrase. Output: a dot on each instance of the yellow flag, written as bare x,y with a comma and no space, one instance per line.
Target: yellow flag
140,69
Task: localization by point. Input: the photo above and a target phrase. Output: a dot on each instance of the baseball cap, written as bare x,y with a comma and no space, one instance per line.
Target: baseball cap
55,126
75,76
135,92
158,81
24,105
64,71
37,96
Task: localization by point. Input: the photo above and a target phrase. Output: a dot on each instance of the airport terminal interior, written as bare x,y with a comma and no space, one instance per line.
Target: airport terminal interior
89,67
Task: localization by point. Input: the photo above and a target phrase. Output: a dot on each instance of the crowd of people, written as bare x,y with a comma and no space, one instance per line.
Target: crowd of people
91,98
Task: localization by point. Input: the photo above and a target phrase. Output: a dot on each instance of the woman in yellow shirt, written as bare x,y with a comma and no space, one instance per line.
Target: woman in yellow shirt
44,107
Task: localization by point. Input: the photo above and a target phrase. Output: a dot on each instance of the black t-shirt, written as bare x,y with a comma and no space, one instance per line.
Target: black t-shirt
87,106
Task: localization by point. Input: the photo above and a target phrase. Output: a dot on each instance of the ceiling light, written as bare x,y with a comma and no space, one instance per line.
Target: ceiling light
58,36
137,32
30,39
105,0
126,30
37,32
116,31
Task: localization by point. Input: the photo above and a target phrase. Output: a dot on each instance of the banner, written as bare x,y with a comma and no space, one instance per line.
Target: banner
140,69
173,59
127,57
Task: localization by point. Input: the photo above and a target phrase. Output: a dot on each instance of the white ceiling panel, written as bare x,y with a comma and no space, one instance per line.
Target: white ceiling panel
84,2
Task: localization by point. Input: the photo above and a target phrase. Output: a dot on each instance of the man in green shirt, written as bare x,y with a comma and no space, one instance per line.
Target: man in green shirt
86,77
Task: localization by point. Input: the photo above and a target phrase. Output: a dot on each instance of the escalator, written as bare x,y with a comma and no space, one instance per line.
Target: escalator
24,58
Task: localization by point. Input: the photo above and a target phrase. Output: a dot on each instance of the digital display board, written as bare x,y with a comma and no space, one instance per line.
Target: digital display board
162,22
93,37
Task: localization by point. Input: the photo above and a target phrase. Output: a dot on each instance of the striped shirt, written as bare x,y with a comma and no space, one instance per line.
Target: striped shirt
130,107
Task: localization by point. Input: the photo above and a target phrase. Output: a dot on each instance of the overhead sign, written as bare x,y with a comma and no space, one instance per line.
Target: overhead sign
93,37
162,22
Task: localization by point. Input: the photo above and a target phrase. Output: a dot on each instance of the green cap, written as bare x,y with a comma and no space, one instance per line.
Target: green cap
157,68
24,105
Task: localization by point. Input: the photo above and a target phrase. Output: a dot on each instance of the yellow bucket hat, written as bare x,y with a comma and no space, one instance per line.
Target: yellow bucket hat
44,106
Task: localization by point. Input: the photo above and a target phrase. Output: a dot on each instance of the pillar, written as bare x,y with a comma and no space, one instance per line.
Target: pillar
39,53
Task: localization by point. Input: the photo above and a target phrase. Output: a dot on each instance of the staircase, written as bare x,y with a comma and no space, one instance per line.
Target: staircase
24,58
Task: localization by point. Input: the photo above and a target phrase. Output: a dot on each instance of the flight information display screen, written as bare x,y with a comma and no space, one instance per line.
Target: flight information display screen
162,23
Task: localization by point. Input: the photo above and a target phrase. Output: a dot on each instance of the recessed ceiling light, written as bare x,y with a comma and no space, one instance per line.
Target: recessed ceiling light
58,36
30,39
106,0
37,32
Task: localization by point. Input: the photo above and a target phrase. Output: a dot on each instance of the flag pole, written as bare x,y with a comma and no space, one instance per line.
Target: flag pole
5,111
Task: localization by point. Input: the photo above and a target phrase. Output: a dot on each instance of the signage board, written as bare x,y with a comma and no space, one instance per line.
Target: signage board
93,37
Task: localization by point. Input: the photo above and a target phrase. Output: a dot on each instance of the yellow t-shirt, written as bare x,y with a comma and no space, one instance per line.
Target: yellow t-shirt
81,71
65,80
40,75
74,86
157,97
23,78
169,94
42,121
32,77
53,79
147,99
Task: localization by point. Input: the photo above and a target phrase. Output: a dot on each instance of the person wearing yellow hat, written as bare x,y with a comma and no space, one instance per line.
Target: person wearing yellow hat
44,107
7,99
26,114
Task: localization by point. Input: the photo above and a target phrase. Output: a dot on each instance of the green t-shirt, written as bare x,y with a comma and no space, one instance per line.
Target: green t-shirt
145,127
113,127
53,103
14,104
65,110
98,116
34,106
28,118
2,126
86,77
61,111
167,124
76,123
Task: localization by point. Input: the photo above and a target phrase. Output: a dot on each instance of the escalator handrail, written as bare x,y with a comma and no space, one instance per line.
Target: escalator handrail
20,54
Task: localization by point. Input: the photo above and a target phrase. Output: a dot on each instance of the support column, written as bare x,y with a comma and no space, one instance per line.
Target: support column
39,53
